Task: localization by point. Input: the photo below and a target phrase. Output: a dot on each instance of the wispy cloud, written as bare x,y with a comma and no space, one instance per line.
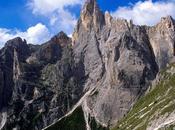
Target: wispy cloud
35,34
57,12
47,7
147,12
61,18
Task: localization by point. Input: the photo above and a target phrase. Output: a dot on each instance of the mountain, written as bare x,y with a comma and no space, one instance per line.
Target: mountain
38,83
109,75
155,110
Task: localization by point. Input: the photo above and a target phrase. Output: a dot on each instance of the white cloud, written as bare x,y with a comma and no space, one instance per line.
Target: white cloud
4,36
63,20
57,13
147,12
60,18
35,34
45,7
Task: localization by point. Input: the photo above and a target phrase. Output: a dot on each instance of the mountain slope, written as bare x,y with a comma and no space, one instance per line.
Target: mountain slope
156,110
40,83
120,59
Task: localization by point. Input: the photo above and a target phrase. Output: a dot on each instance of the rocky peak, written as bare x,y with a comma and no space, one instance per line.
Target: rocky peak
162,39
89,6
168,21
61,35
51,51
16,42
91,15
165,26
20,46
91,20
61,38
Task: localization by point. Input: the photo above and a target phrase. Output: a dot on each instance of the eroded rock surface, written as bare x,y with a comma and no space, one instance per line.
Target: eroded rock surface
39,85
119,62
120,59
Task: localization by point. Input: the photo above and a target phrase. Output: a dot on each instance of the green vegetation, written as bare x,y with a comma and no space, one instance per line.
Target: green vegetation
95,126
158,102
75,121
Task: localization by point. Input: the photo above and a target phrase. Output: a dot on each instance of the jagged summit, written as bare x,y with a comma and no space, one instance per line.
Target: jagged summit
167,18
51,50
168,22
61,38
90,6
61,34
91,15
19,45
16,42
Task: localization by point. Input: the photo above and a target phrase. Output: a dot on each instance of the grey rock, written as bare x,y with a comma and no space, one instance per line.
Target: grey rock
107,65
121,60
40,89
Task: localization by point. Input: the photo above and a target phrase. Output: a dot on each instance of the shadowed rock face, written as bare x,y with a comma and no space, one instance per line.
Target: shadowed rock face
6,66
38,85
111,64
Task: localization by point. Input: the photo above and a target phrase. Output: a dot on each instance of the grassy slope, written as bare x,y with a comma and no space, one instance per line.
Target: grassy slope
158,102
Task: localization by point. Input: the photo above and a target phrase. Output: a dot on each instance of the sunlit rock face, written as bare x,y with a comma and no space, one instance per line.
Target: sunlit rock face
162,40
120,59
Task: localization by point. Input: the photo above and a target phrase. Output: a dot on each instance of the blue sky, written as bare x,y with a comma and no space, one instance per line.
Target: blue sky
38,20
16,14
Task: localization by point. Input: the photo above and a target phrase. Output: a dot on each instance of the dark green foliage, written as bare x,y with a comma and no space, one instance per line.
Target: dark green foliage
95,126
75,121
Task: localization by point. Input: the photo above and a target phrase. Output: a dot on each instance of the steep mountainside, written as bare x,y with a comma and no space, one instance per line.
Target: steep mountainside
120,59
38,86
89,81
156,110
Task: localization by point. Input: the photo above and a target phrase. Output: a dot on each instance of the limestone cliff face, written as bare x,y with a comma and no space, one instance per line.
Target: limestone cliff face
119,62
162,40
155,110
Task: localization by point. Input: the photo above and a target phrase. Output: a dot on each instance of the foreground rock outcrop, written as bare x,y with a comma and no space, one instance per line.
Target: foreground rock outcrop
98,74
